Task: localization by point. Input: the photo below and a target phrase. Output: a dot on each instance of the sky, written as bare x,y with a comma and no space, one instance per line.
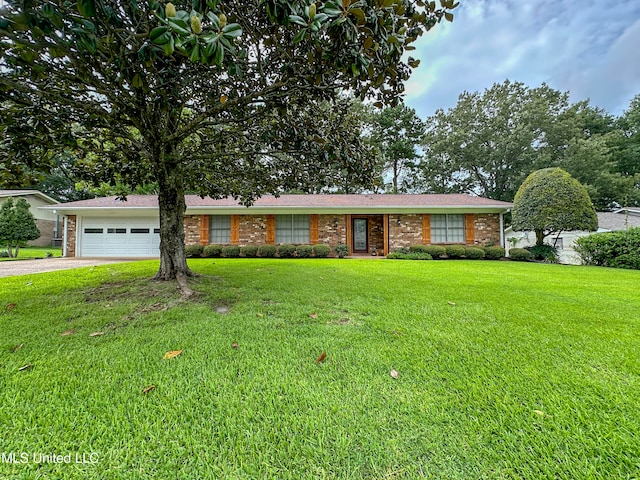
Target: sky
590,48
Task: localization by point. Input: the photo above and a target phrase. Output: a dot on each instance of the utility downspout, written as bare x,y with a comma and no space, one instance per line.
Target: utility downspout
502,244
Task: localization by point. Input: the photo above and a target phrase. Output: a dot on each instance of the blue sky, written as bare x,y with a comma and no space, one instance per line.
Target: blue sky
590,48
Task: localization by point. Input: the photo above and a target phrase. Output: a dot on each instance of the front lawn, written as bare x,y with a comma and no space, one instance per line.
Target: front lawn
26,253
504,370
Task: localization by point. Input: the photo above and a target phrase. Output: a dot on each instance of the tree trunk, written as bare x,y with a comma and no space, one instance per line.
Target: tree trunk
539,238
171,202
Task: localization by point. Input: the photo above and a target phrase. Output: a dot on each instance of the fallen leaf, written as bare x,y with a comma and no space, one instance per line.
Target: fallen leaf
171,354
313,315
28,283
96,334
259,315
68,332
321,358
223,98
541,413
148,389
26,367
10,306
234,345
17,347
452,304
393,374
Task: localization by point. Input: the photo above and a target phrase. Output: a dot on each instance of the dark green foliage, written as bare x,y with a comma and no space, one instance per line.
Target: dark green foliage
341,250
249,251
473,253
455,251
303,251
436,251
551,201
192,251
17,225
267,251
546,253
286,250
610,249
211,251
321,251
519,254
494,253
231,251
4,254
400,255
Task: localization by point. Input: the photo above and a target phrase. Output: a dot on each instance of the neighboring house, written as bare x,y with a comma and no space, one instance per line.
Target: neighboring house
47,220
620,219
368,224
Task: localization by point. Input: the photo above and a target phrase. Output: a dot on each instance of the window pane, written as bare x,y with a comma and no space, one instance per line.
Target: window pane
447,228
139,230
92,230
292,228
116,230
220,229
455,228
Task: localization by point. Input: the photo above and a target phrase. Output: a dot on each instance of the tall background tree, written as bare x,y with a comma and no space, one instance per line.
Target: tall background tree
551,201
217,97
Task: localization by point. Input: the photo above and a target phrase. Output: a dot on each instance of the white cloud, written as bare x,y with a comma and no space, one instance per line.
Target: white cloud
589,48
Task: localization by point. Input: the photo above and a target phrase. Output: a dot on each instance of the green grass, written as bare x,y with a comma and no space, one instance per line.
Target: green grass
506,370
26,253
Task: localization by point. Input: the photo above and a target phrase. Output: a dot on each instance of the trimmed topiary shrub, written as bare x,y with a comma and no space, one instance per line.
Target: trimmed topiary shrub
286,250
494,253
341,250
303,251
436,251
474,253
455,251
546,253
267,251
212,251
249,251
192,251
321,251
519,254
231,251
400,255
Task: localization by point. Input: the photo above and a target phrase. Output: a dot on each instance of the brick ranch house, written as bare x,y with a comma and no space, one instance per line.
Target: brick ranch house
368,224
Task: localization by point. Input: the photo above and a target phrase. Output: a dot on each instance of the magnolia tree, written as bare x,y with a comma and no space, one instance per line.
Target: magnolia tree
216,96
551,201
17,225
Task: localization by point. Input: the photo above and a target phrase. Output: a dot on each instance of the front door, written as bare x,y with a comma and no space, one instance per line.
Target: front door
360,236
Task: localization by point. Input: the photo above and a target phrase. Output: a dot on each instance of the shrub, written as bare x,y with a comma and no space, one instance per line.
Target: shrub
192,251
474,253
399,255
4,254
494,253
519,254
413,248
267,251
212,251
627,260
603,249
341,250
455,251
286,250
249,251
303,251
436,251
321,251
231,251
547,253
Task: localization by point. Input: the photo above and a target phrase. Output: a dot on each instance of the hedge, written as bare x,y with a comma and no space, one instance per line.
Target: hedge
519,254
321,251
212,251
611,249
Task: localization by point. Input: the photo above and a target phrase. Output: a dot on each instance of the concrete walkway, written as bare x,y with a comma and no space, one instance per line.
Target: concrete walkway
11,268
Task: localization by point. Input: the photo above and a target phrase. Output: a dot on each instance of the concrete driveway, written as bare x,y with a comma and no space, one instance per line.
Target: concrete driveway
26,267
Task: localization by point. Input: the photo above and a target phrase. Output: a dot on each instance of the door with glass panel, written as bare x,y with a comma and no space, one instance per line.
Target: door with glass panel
360,236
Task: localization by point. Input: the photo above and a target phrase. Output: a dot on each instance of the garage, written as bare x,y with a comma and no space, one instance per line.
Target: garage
112,237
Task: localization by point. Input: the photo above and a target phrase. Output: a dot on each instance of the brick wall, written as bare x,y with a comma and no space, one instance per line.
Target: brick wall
404,231
192,229
332,229
487,229
253,230
71,236
46,228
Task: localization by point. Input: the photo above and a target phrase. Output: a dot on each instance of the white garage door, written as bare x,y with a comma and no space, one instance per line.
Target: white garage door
112,237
